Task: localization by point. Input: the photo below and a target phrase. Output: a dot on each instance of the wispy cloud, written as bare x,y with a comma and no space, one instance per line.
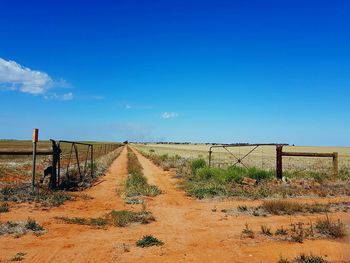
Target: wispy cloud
14,76
54,96
169,115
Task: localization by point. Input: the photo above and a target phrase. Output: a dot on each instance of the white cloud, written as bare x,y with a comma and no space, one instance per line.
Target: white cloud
127,107
14,76
168,115
54,96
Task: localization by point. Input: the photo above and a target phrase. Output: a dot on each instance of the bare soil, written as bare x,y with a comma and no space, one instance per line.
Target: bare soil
192,230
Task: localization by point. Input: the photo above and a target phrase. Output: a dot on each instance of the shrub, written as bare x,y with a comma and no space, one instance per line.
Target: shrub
329,228
33,225
265,230
197,164
148,241
247,232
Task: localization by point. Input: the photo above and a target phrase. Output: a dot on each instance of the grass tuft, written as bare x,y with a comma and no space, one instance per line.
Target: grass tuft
148,241
18,257
330,228
4,208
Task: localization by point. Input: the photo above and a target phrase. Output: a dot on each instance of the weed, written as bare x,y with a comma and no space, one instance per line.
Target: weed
97,222
197,164
124,218
136,183
247,232
18,257
33,225
4,208
265,230
277,207
20,228
25,193
148,241
329,228
305,259
242,208
281,232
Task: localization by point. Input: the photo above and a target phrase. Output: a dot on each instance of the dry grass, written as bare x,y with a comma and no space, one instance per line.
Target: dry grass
277,207
114,218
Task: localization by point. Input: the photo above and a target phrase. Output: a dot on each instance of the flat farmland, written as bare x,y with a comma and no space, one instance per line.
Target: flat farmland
263,157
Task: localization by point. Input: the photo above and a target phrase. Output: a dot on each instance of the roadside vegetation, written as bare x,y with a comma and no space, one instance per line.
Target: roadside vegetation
304,259
136,184
114,218
323,228
201,181
288,207
20,228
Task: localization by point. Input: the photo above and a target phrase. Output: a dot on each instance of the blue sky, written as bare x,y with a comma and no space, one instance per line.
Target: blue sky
200,71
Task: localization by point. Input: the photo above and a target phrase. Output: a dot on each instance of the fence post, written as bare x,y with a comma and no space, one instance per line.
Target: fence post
92,161
34,140
210,151
335,164
279,169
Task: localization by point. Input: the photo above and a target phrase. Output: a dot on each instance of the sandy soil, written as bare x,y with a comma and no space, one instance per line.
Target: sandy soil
193,230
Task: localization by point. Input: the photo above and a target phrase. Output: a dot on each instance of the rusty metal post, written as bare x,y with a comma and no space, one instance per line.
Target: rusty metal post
335,164
34,140
92,161
279,167
210,152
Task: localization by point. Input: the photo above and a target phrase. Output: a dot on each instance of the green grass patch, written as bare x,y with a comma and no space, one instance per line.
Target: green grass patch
148,241
136,183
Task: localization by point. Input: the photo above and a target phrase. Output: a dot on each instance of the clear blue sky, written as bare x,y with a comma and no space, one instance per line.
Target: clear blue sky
217,71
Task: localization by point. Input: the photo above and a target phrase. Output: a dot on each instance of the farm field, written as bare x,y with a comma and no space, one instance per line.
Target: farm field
234,229
263,156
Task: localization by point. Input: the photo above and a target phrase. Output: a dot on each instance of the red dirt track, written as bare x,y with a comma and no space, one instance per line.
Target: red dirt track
191,229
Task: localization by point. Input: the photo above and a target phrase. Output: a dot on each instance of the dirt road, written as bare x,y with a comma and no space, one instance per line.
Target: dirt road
192,230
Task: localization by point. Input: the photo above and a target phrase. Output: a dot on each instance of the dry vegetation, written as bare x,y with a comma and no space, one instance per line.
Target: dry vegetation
114,218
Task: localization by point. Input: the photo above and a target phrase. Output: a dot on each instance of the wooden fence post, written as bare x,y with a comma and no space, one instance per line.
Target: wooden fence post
335,164
279,167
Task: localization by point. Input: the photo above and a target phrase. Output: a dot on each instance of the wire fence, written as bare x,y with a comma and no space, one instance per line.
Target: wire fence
75,163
